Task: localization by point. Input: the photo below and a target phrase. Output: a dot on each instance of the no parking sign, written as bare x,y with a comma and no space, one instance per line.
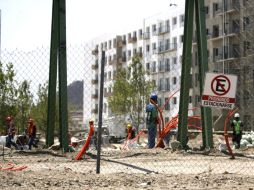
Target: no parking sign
219,91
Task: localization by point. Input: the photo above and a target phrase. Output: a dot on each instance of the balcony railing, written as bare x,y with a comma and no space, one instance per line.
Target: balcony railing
95,96
230,52
95,110
95,51
163,30
166,47
132,39
95,80
227,6
95,65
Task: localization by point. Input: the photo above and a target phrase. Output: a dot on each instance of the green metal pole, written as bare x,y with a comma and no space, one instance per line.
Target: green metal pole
206,113
52,75
63,110
185,77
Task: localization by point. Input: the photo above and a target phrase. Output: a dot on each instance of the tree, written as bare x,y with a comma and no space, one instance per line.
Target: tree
23,103
7,92
141,89
120,101
39,109
130,91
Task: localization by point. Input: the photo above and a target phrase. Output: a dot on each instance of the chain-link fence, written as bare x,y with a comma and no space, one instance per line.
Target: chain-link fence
120,152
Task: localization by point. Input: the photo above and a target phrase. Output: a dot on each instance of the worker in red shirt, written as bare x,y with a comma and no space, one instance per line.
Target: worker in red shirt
31,131
10,132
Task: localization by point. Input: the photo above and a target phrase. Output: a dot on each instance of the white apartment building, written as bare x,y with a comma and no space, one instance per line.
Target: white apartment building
230,35
159,43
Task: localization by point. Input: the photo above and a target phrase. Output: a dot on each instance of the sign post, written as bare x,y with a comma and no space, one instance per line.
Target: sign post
219,91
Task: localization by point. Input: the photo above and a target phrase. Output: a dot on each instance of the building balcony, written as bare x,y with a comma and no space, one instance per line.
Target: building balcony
132,39
139,54
107,94
95,81
95,96
95,65
163,30
95,51
229,31
122,59
121,43
166,48
95,111
229,6
112,61
230,52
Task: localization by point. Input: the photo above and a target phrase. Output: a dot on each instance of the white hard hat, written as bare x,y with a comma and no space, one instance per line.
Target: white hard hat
237,115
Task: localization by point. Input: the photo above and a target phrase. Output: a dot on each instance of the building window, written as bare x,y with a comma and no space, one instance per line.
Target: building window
134,51
181,39
140,34
167,65
110,44
129,36
174,41
190,99
134,34
154,29
154,46
148,66
147,48
174,80
181,20
160,87
129,54
167,107
167,84
174,100
175,60
154,66
161,65
206,10
109,75
174,21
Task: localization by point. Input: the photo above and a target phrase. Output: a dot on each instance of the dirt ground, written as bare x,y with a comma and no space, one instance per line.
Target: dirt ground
128,169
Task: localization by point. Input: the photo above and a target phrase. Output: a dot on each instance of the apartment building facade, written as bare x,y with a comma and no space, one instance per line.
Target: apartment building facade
159,44
229,28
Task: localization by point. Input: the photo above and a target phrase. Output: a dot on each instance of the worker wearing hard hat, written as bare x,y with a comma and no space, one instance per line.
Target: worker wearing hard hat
237,126
31,131
152,120
130,130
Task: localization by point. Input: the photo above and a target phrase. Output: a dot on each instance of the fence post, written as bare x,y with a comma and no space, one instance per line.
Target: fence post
100,113
185,77
206,112
52,75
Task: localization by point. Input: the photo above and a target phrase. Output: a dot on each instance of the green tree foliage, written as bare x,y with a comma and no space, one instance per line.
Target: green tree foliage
120,100
130,91
15,98
39,109
23,103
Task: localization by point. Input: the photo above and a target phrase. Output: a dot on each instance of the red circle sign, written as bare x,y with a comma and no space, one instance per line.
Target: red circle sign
220,85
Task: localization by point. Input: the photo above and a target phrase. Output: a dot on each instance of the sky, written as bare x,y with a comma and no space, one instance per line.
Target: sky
26,24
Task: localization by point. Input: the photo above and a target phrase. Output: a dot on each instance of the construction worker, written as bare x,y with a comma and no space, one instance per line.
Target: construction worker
237,125
31,130
10,132
152,120
130,130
